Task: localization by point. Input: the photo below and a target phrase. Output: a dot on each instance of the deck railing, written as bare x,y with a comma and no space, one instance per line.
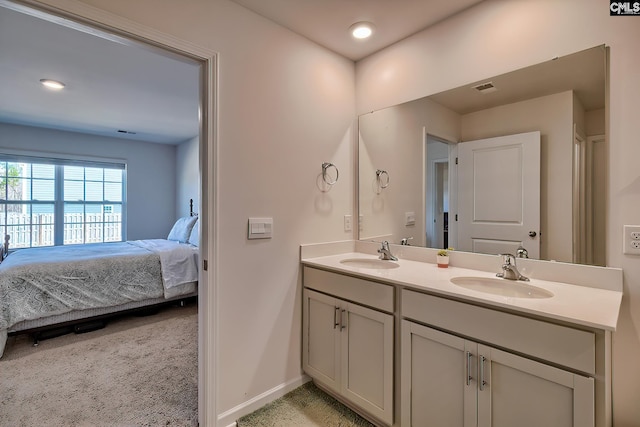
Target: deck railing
38,229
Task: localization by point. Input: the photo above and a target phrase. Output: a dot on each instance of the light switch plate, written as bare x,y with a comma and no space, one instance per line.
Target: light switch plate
260,228
409,218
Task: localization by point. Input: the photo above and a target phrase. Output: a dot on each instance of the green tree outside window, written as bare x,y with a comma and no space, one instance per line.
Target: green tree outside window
10,188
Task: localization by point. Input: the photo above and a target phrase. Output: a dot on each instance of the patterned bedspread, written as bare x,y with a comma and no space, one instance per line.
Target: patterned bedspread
41,282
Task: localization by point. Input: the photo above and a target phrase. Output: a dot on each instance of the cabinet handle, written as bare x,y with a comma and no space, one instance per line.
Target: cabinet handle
482,382
342,319
469,377
335,317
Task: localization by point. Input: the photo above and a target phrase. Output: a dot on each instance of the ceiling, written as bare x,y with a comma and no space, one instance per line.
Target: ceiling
114,87
327,22
117,88
582,72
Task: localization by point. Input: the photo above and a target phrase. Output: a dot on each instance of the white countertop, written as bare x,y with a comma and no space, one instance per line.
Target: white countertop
580,305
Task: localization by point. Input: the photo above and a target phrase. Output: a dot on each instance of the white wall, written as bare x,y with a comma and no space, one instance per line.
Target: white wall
392,139
495,37
286,106
146,186
595,122
187,176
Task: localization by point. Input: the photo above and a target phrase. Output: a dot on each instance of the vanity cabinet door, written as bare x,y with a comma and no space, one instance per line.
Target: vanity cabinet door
348,348
367,360
321,338
451,381
525,393
438,378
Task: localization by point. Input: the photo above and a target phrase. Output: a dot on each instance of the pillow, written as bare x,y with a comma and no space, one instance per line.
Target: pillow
194,237
182,229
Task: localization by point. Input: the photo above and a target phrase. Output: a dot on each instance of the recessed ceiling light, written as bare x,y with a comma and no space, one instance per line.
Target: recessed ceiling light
52,84
361,30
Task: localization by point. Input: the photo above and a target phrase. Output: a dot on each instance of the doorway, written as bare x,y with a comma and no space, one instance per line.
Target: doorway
84,18
439,191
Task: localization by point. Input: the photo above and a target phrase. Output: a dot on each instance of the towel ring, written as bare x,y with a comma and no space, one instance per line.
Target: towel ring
382,182
325,175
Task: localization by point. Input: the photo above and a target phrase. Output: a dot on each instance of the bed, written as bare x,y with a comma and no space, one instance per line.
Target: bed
46,286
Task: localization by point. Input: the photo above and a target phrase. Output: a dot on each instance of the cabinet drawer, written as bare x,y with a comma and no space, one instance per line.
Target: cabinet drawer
368,293
562,345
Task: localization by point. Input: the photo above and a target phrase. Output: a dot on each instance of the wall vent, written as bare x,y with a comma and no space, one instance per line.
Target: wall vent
485,87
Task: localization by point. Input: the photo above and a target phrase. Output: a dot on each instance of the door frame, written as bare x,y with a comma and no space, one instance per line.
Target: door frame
89,16
598,214
429,193
435,188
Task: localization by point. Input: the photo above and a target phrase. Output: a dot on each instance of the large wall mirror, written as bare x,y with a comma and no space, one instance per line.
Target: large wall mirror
513,163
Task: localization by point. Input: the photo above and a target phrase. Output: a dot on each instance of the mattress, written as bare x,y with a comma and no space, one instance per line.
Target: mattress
41,283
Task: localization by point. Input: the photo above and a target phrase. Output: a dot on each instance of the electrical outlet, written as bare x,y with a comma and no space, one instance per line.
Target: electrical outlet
347,223
631,240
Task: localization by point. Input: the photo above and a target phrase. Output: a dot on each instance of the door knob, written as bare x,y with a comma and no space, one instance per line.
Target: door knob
532,234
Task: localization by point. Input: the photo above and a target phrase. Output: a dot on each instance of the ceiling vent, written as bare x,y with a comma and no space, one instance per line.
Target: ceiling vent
487,87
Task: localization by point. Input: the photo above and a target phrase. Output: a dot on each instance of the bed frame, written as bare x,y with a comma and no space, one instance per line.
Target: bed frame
79,321
4,249
91,319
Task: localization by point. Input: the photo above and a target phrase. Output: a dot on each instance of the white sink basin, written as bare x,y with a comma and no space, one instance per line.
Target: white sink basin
375,264
502,287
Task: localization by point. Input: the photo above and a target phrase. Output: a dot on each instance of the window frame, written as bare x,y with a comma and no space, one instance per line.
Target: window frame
58,202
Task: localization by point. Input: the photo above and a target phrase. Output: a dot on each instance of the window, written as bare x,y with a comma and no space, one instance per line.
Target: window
46,202
27,193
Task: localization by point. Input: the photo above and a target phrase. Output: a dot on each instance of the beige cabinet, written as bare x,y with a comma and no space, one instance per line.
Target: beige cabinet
456,363
436,385
451,381
514,390
348,348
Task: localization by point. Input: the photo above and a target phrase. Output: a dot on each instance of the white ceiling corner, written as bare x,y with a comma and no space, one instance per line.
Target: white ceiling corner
327,22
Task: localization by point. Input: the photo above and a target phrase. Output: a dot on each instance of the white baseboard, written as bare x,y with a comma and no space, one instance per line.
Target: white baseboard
228,418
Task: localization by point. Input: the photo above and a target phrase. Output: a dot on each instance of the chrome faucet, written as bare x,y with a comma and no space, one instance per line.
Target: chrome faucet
521,252
405,241
509,270
385,252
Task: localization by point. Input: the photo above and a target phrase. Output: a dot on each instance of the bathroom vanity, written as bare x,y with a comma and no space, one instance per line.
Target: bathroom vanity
406,343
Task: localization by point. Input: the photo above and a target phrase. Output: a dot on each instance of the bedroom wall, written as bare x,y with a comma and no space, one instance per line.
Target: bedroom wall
496,37
283,111
146,186
187,176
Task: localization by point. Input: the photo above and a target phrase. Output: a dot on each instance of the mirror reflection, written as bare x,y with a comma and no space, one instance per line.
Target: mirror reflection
511,164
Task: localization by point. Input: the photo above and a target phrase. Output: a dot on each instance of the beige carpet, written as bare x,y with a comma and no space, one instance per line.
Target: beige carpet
138,371
306,406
